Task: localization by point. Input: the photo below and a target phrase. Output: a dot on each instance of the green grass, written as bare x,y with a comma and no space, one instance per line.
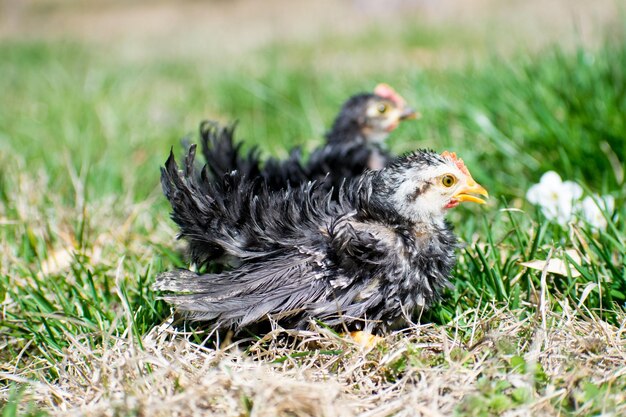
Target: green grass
82,135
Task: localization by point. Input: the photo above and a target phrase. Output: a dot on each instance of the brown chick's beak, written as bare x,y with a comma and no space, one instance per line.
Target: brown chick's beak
408,113
473,187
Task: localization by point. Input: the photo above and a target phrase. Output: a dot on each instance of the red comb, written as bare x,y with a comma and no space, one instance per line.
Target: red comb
385,91
457,161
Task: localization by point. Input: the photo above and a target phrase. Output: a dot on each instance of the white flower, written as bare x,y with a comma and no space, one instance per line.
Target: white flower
555,197
592,207
560,201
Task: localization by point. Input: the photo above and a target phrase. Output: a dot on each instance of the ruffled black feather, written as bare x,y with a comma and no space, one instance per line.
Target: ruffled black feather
301,254
346,153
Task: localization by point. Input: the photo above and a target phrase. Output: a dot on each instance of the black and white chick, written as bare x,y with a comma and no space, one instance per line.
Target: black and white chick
356,140
367,260
354,143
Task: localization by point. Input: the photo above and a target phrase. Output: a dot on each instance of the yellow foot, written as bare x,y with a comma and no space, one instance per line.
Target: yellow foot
365,339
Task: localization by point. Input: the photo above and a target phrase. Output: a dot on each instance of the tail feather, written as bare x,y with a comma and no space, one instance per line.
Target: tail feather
232,216
223,155
280,174
331,163
200,208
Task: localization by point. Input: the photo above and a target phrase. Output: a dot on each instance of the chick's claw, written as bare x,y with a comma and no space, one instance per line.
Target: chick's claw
365,339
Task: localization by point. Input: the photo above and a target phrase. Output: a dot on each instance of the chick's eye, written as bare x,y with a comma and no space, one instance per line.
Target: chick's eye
448,180
381,108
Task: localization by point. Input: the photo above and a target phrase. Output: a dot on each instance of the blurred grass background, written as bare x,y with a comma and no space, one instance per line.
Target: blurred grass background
109,103
94,95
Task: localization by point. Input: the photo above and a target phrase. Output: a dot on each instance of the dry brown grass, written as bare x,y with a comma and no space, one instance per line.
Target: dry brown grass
426,370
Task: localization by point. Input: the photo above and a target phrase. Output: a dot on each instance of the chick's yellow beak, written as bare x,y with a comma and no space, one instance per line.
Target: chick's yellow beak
466,193
409,113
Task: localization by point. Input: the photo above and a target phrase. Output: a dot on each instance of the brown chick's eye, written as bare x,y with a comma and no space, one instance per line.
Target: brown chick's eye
448,180
382,108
